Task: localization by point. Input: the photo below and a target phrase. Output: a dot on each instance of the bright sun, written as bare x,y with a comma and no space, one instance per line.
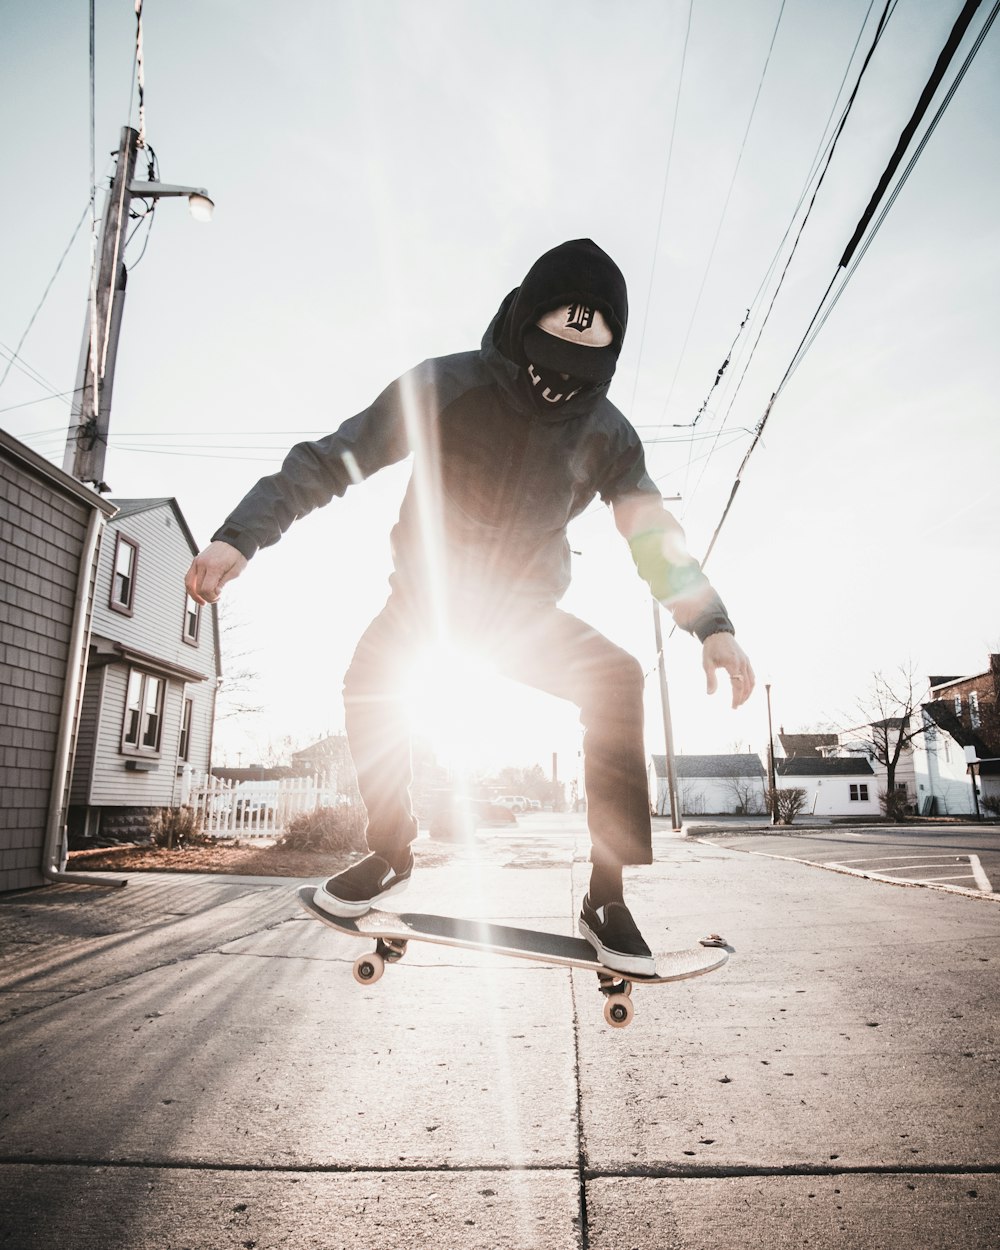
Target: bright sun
473,718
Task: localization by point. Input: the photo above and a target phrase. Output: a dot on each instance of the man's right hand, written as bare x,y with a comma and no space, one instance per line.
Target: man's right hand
218,564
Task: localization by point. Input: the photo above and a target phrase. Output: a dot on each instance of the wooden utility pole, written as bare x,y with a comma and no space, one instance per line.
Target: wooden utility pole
90,416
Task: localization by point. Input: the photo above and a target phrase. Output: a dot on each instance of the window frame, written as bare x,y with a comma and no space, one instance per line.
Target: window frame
114,603
137,713
858,791
184,741
191,638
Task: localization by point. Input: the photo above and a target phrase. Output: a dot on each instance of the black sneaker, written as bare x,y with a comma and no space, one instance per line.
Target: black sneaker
615,936
354,891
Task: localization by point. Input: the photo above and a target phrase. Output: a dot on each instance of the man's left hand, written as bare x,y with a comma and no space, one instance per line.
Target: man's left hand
723,651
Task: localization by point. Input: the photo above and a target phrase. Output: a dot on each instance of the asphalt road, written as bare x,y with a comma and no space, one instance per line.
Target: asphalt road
189,1065
953,857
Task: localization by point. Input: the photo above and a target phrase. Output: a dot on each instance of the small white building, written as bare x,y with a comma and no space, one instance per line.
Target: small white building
834,787
718,785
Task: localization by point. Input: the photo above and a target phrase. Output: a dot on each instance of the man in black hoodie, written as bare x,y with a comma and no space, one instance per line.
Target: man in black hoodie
510,443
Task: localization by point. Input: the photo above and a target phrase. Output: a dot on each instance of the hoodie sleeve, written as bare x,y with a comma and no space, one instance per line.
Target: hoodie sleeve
314,472
658,545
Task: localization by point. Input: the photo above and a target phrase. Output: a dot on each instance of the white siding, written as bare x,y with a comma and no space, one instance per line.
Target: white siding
831,796
156,629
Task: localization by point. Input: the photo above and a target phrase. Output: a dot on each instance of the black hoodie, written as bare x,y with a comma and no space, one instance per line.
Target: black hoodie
495,482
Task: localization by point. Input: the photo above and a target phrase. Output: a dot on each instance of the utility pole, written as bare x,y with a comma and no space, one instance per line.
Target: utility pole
668,732
90,415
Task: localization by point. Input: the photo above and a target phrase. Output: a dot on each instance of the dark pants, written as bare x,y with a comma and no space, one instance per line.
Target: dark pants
540,646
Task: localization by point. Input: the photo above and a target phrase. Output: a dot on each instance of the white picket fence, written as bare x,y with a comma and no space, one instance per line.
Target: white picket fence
254,809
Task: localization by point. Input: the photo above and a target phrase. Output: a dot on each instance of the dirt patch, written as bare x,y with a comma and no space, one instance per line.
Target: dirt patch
234,858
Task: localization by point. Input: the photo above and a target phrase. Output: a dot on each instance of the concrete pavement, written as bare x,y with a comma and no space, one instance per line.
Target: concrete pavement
188,1063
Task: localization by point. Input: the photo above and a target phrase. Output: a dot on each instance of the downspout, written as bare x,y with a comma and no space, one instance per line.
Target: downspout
79,640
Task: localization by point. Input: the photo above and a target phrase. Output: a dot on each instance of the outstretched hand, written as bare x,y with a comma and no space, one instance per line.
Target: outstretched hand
723,651
218,564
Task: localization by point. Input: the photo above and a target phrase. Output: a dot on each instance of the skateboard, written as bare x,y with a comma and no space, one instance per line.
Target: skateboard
392,931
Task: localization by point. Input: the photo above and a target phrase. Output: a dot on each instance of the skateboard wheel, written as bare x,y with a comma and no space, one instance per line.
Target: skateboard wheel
618,1011
368,969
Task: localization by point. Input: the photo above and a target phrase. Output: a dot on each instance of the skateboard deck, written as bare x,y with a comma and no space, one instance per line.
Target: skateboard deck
391,931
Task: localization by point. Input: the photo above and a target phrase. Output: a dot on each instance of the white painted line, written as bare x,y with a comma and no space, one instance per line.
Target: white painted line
875,859
966,876
857,872
982,880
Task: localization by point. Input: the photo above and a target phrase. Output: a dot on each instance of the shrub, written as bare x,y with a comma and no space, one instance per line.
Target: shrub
787,803
172,827
894,803
990,803
327,829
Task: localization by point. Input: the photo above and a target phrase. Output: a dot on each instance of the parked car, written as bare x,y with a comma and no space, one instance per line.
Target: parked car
513,802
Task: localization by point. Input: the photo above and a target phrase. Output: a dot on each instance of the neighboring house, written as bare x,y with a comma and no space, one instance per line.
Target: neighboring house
806,746
858,743
50,531
154,667
834,787
710,784
963,718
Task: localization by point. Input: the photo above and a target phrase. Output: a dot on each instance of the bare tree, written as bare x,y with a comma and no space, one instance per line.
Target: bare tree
237,688
748,795
892,721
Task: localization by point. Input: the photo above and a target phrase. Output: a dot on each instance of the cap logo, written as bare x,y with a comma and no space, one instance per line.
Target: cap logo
579,317
577,323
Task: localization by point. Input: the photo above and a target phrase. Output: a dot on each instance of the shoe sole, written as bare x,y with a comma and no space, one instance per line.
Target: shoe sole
344,909
617,961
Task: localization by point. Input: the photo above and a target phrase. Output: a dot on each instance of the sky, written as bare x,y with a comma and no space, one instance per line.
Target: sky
384,173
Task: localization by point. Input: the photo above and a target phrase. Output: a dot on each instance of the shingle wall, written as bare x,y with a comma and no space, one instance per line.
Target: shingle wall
42,532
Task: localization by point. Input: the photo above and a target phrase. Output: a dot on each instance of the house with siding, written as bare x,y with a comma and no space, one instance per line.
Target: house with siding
50,537
153,671
962,715
834,787
710,784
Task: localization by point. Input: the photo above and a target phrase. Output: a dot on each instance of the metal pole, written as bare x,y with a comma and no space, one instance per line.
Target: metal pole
773,789
668,732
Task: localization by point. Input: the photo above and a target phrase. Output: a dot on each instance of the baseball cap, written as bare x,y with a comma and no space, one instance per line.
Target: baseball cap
575,339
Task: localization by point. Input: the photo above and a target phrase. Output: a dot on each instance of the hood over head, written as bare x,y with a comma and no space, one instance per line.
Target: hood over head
578,292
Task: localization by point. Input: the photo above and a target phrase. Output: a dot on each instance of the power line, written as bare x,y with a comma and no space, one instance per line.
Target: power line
725,209
823,311
663,203
45,294
830,149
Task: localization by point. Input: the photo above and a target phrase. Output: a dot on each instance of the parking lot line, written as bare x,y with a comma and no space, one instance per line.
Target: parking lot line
982,880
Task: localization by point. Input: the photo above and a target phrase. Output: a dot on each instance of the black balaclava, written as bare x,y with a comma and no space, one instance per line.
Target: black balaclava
576,275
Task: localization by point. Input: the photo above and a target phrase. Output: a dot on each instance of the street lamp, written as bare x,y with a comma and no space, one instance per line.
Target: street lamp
90,414
200,204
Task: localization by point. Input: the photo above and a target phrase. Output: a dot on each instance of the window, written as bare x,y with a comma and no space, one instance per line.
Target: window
123,576
859,794
184,751
143,713
192,620
974,710
958,705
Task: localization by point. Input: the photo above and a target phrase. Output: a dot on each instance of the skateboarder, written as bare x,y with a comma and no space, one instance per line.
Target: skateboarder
510,443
